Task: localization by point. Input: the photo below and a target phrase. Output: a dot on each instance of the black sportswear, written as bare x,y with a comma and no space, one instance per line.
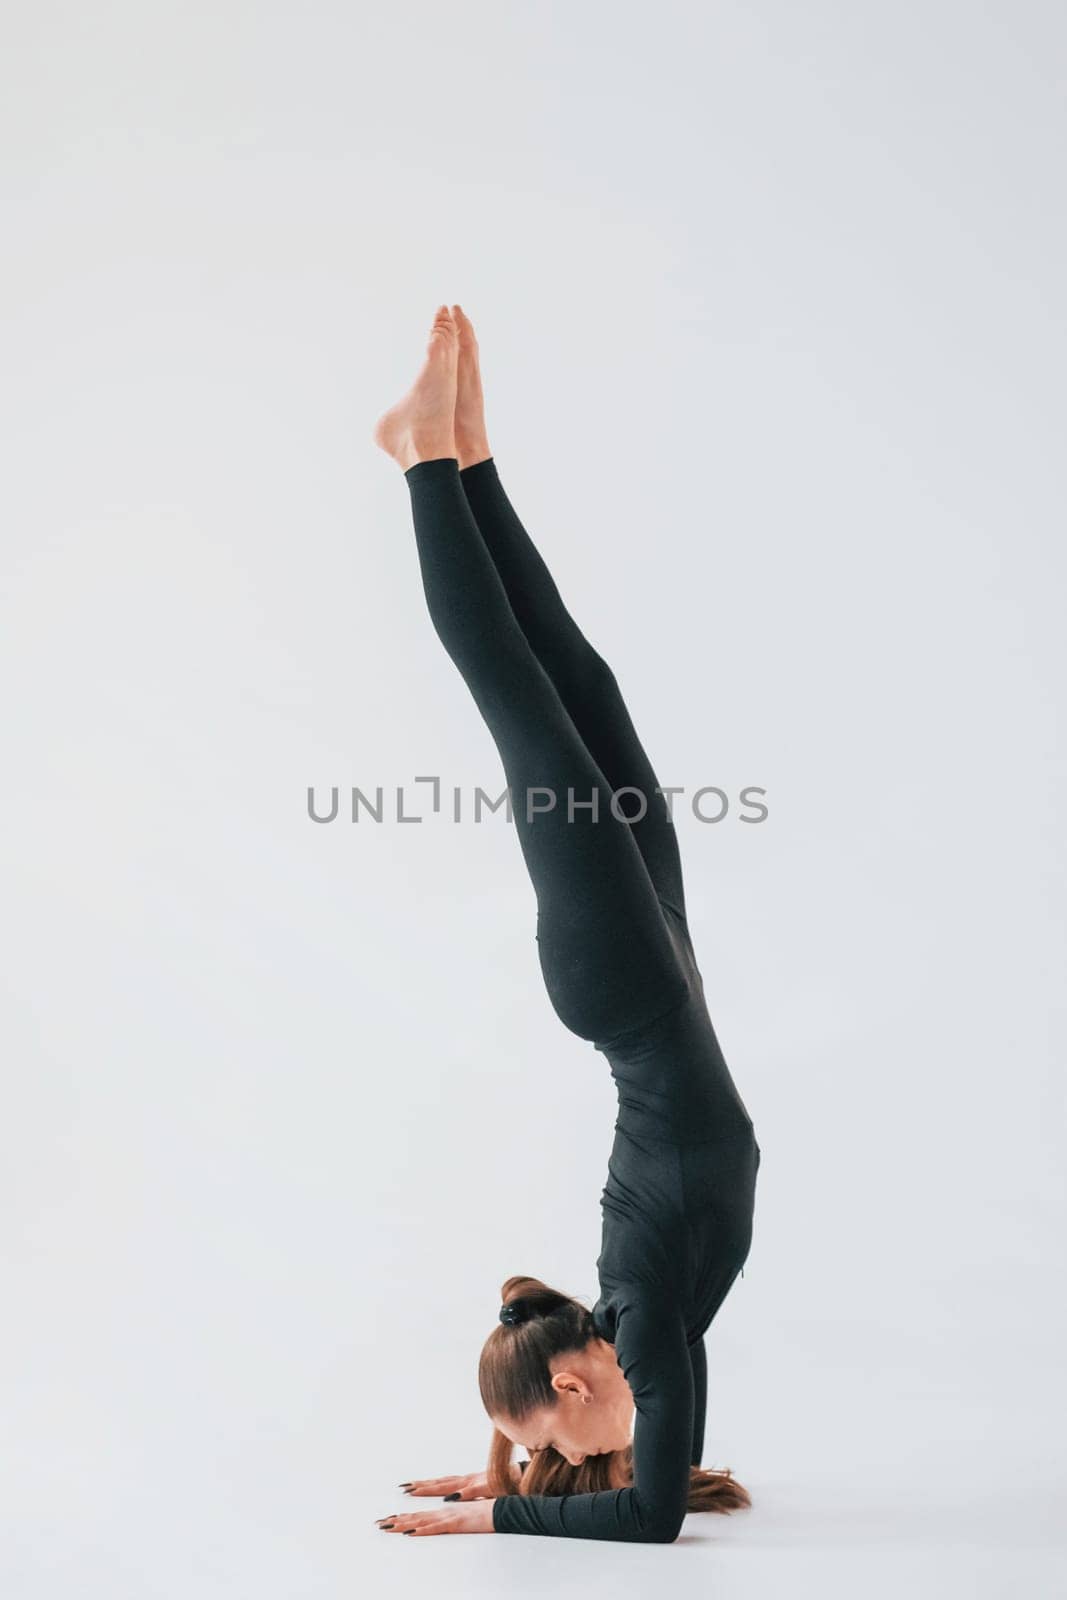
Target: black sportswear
620,971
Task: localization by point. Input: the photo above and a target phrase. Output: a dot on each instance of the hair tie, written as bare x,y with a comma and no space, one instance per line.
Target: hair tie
512,1313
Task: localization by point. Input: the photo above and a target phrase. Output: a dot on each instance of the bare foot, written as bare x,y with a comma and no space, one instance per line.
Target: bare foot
421,426
472,441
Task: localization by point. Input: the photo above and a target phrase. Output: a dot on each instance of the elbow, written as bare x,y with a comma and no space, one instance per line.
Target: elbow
665,1534
663,1527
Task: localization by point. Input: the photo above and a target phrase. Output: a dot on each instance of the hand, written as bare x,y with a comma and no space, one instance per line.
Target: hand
475,1517
461,1486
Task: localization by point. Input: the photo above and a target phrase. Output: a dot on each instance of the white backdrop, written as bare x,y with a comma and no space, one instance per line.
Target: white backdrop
772,320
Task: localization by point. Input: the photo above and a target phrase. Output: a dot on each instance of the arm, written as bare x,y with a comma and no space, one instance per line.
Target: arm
652,1352
698,1361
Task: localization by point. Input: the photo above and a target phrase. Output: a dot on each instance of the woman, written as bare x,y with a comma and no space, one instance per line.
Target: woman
618,963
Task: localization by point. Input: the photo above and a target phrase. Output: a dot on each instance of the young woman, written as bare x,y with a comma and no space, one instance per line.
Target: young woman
596,833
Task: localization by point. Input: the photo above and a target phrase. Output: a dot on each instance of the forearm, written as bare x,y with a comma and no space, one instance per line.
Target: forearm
698,1362
617,1514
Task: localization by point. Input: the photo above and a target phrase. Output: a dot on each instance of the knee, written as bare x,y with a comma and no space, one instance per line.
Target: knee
583,669
598,673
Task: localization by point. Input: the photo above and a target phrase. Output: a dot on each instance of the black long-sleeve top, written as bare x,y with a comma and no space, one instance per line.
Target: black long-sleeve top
677,1224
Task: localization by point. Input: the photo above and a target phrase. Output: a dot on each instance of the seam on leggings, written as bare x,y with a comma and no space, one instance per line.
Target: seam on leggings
639,1027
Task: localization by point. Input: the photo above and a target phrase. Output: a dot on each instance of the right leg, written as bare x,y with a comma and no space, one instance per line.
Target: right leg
605,951
582,678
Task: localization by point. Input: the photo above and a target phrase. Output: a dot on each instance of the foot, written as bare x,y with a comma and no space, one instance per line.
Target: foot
472,442
421,426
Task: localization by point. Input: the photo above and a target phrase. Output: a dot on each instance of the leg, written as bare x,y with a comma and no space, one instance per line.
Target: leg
605,952
583,680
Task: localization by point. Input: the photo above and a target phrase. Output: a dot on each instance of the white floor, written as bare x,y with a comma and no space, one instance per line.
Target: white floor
209,1495
834,1540
826,1539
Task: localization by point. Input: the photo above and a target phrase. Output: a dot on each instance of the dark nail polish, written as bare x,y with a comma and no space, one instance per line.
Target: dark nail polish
456,1496
408,1531
406,1485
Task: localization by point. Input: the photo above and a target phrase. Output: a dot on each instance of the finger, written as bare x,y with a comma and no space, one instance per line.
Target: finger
420,1522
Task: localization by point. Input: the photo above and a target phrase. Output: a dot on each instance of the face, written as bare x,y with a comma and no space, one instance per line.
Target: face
593,1413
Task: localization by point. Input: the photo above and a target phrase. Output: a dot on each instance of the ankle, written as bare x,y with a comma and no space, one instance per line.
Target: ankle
426,447
470,451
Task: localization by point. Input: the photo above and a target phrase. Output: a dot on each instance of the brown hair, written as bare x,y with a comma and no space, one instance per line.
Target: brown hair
514,1378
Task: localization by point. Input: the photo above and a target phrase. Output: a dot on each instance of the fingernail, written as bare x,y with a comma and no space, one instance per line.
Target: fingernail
408,1531
455,1496
406,1485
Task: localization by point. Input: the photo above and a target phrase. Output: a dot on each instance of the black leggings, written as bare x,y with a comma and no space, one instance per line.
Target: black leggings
555,712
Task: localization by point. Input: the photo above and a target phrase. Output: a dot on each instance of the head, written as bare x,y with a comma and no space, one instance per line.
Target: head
552,1386
549,1382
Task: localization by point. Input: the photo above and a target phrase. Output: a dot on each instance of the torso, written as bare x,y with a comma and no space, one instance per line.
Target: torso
678,1201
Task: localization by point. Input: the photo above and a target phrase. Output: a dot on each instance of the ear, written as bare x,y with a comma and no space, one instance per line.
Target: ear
566,1382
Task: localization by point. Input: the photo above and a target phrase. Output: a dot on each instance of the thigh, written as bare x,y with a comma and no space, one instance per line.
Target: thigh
605,950
591,692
